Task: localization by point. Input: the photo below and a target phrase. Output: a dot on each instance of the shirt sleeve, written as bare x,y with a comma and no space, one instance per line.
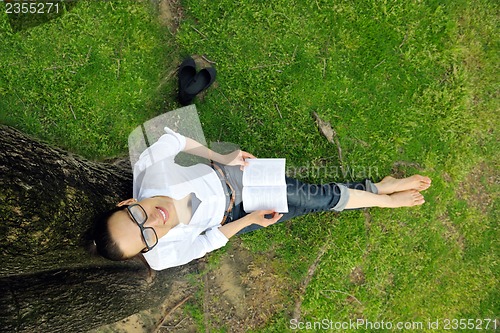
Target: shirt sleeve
167,147
182,252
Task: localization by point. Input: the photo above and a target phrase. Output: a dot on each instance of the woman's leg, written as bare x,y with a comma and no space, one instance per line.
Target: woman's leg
392,193
389,193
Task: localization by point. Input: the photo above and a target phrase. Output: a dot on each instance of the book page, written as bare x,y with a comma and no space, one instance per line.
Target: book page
265,197
264,172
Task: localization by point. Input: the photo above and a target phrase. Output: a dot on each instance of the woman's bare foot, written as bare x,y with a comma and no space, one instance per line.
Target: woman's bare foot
390,185
361,199
406,199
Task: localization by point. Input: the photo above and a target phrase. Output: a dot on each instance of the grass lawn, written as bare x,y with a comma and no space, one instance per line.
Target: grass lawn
409,87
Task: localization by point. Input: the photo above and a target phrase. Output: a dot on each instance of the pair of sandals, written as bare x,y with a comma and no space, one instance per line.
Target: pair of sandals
191,83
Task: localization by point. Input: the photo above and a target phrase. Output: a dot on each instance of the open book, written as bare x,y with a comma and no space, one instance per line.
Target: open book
264,185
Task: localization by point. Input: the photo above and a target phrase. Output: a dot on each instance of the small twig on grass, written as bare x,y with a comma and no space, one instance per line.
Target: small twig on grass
343,292
220,134
227,99
168,327
198,31
62,66
19,98
404,40
73,112
277,108
118,69
158,327
293,55
208,60
88,55
307,280
380,63
290,62
265,66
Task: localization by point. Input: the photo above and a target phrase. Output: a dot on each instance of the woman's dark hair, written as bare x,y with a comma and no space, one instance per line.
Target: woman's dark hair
105,245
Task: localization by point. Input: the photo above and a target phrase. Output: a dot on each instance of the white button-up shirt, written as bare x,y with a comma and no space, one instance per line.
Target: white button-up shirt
157,174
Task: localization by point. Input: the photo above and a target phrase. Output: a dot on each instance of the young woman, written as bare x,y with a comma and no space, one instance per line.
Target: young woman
180,213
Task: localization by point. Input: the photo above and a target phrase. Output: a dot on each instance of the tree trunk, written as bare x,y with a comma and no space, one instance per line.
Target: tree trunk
48,281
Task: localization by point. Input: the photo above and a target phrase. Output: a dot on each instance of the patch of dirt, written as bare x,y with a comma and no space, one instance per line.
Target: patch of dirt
357,276
478,187
170,14
452,234
243,292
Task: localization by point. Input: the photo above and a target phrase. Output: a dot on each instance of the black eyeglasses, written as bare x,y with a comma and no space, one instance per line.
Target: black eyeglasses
138,214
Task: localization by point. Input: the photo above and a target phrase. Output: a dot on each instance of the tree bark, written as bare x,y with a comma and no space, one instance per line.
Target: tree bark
48,280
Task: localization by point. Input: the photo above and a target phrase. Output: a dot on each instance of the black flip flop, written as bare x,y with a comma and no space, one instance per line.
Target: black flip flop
186,73
201,81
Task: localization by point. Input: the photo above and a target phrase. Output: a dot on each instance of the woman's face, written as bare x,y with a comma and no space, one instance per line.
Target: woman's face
161,216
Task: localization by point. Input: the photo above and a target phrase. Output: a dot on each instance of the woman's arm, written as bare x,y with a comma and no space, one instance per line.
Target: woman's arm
257,217
235,158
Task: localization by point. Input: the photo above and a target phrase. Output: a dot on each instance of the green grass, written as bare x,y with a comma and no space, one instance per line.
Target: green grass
408,86
84,80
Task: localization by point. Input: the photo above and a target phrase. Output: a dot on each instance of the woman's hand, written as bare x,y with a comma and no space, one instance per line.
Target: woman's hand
259,217
237,157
